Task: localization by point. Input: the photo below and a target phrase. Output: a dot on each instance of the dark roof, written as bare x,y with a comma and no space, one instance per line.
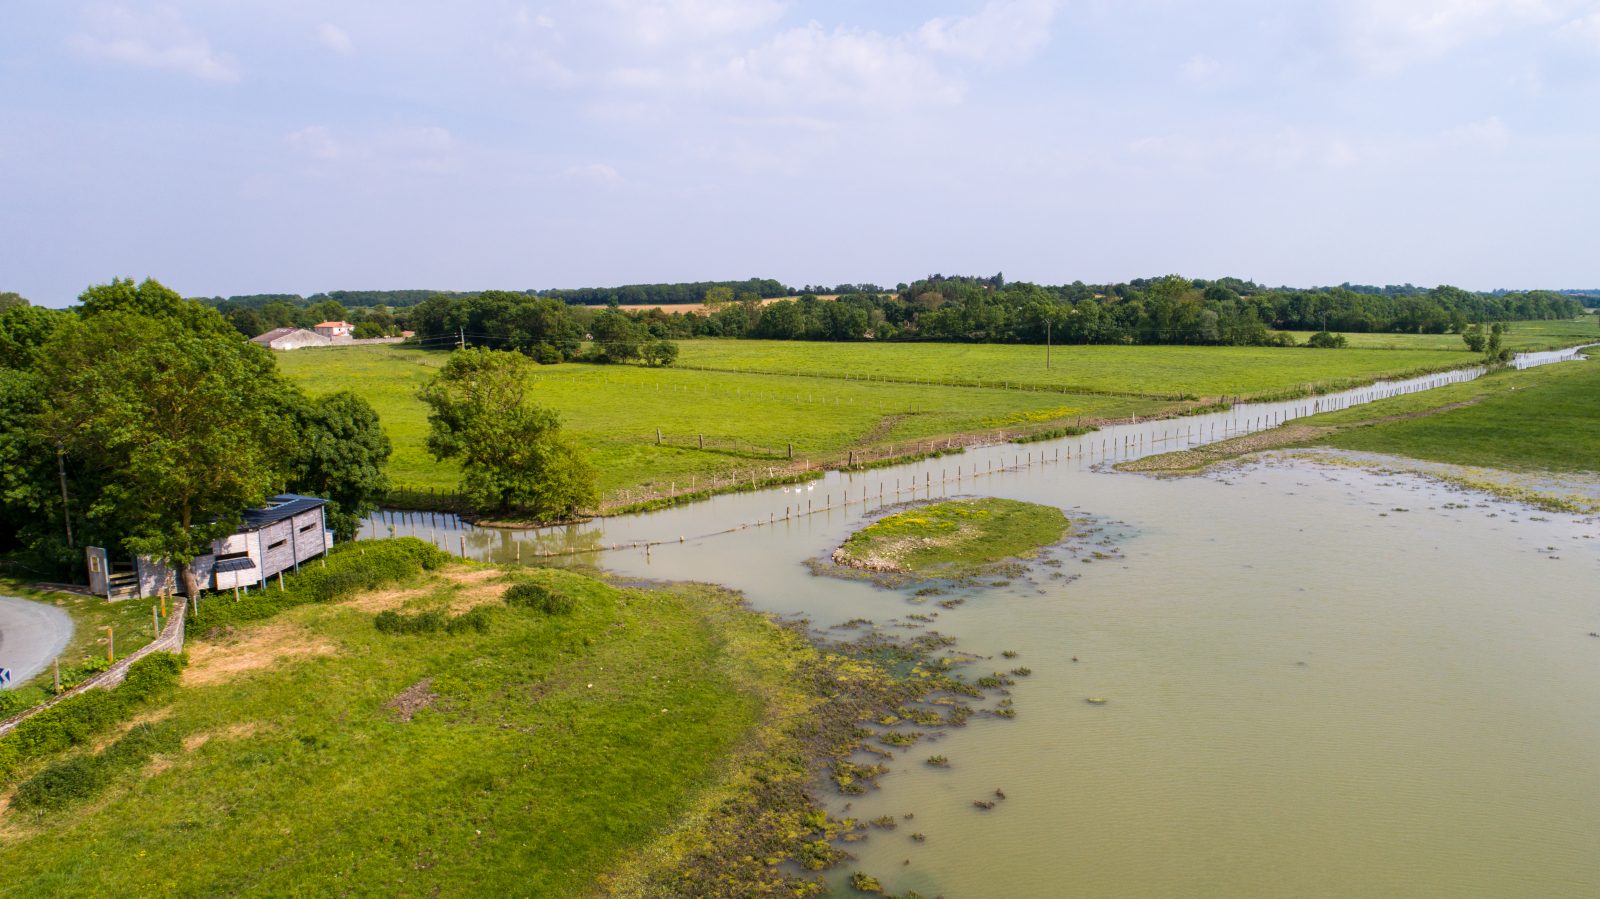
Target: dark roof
272,335
278,508
227,565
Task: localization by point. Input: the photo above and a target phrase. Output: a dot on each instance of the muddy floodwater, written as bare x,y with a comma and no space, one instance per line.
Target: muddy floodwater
1318,680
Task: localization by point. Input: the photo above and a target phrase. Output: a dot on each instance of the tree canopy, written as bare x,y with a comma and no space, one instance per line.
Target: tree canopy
162,425
513,454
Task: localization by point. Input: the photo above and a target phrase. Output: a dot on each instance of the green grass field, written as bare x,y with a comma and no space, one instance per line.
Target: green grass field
614,411
1524,336
322,757
953,539
1545,418
1162,371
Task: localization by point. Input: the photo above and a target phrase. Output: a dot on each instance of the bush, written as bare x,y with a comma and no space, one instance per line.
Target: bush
431,622
59,784
540,598
1323,340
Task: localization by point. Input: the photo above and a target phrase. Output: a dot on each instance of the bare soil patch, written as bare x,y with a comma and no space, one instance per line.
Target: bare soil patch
413,699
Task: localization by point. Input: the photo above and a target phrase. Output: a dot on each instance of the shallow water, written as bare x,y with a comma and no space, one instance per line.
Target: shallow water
1310,691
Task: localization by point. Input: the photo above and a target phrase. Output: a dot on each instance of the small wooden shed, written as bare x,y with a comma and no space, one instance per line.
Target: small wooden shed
281,536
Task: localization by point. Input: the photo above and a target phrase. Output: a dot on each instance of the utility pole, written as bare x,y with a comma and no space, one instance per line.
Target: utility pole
66,512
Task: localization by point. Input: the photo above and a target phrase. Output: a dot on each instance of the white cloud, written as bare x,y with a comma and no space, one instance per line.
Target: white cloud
814,66
661,22
414,148
1584,30
334,38
1386,36
1003,31
314,142
155,39
1202,70
1489,134
594,173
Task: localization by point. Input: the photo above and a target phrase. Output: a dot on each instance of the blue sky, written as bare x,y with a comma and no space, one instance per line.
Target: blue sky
294,146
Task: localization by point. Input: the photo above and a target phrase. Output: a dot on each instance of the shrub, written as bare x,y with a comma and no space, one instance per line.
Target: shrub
431,622
1325,341
540,599
59,784
475,620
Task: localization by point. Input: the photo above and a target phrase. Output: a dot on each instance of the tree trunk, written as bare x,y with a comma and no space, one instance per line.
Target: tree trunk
191,584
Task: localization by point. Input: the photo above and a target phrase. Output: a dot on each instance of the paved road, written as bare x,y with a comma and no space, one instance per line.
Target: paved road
31,634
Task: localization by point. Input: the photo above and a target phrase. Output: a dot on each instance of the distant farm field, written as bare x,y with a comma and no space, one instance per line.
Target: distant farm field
1540,335
749,421
1157,371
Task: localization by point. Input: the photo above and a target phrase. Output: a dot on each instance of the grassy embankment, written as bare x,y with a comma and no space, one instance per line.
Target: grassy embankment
954,539
801,398
1541,419
656,742
85,653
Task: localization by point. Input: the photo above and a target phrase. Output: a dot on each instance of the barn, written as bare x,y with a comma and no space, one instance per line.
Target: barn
290,339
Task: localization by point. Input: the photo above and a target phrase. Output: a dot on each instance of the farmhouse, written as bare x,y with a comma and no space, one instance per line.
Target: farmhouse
290,339
280,536
338,332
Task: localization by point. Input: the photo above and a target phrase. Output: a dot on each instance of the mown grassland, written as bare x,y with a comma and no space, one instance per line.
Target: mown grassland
952,539
1539,419
749,420
322,757
1522,336
1545,419
1156,371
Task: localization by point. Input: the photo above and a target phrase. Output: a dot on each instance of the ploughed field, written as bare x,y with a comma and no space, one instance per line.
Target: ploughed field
752,401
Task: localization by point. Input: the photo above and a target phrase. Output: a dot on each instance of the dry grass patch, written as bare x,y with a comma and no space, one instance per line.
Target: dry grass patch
256,648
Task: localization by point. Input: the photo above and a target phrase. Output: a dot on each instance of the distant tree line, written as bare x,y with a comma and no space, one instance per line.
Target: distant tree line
553,324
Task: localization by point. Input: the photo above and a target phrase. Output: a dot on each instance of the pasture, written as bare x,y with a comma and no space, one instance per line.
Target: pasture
1523,336
749,421
1150,371
1545,419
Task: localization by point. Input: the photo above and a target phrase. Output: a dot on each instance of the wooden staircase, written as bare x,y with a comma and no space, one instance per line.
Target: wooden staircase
122,585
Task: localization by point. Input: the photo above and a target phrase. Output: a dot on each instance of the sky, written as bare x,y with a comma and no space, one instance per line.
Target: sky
297,147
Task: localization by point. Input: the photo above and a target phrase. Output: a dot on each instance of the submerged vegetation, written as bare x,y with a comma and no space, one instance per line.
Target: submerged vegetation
952,539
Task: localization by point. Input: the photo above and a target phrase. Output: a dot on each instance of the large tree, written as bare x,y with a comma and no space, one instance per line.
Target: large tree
181,414
513,454
342,453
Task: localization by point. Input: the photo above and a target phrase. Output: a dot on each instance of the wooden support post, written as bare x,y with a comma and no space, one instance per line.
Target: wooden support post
155,621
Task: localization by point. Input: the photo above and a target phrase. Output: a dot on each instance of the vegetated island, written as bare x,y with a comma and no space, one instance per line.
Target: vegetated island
952,539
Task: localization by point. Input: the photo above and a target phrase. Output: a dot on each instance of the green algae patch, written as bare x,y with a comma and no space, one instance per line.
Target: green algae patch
953,539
